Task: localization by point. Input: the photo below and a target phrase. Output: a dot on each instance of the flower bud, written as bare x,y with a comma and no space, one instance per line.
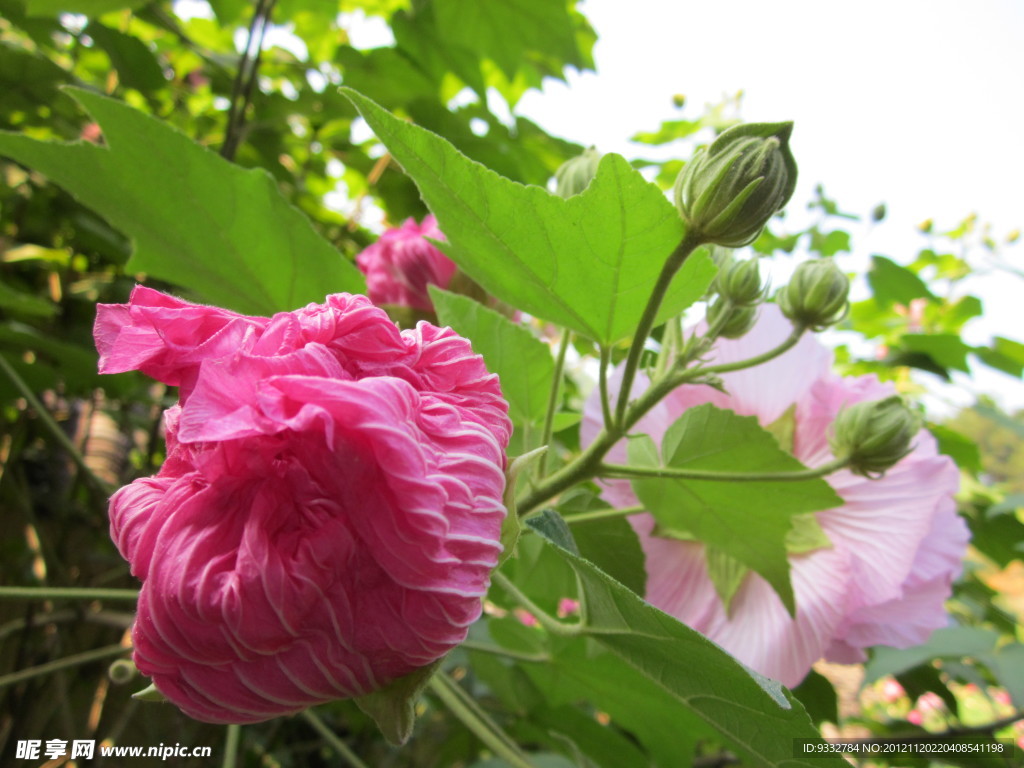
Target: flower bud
739,321
740,282
727,193
573,176
816,296
874,435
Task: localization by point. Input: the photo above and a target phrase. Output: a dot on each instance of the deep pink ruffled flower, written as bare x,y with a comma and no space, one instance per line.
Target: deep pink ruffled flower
403,262
329,511
897,542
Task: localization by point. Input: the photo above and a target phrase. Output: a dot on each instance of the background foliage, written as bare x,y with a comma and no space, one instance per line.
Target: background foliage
177,144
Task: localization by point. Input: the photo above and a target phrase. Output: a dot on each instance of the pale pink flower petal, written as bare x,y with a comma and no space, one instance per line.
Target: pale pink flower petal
897,542
329,512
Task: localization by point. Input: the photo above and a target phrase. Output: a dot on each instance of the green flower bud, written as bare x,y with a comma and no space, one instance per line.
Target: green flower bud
727,193
874,435
740,282
816,296
573,176
739,321
122,671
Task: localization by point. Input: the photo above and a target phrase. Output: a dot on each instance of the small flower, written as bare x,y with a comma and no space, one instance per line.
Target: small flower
329,512
897,542
568,607
403,262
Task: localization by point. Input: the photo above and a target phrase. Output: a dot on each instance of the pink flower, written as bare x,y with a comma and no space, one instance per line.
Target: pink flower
897,542
892,690
403,262
329,511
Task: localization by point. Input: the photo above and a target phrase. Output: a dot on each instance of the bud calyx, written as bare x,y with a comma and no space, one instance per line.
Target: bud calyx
816,296
574,175
873,436
727,193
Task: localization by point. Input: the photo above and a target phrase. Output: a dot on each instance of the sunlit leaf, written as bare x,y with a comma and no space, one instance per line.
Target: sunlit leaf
588,263
225,234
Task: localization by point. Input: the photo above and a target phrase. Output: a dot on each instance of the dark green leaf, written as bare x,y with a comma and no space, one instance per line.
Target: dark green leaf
522,362
224,233
613,546
819,698
718,513
137,67
946,349
393,707
588,263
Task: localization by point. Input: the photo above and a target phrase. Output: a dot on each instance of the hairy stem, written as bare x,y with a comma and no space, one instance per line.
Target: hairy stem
549,417
332,739
53,427
477,721
67,593
67,662
603,514
546,620
672,265
675,473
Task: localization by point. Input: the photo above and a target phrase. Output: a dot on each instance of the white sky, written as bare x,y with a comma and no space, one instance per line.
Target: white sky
917,103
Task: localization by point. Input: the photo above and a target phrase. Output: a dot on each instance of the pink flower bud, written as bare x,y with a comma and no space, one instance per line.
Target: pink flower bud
330,508
403,262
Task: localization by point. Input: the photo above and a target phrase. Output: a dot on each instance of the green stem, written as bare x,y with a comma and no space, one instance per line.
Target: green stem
67,662
67,593
496,650
603,514
234,736
549,417
477,721
627,472
602,386
332,739
669,347
53,427
739,365
546,620
672,265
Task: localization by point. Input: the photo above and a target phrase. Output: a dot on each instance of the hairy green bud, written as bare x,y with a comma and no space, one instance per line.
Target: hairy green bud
740,282
816,296
573,176
727,193
739,321
874,435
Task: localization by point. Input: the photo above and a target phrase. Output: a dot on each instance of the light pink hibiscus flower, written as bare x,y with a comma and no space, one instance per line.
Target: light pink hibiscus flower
329,512
897,542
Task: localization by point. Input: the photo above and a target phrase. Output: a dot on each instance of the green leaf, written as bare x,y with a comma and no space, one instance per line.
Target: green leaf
819,698
962,449
893,284
946,349
1005,355
224,233
756,715
949,642
22,304
393,707
719,513
507,32
90,8
613,546
806,535
522,361
726,574
137,67
588,263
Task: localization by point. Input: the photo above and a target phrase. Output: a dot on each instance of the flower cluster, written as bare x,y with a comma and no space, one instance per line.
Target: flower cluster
329,511
403,262
897,542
